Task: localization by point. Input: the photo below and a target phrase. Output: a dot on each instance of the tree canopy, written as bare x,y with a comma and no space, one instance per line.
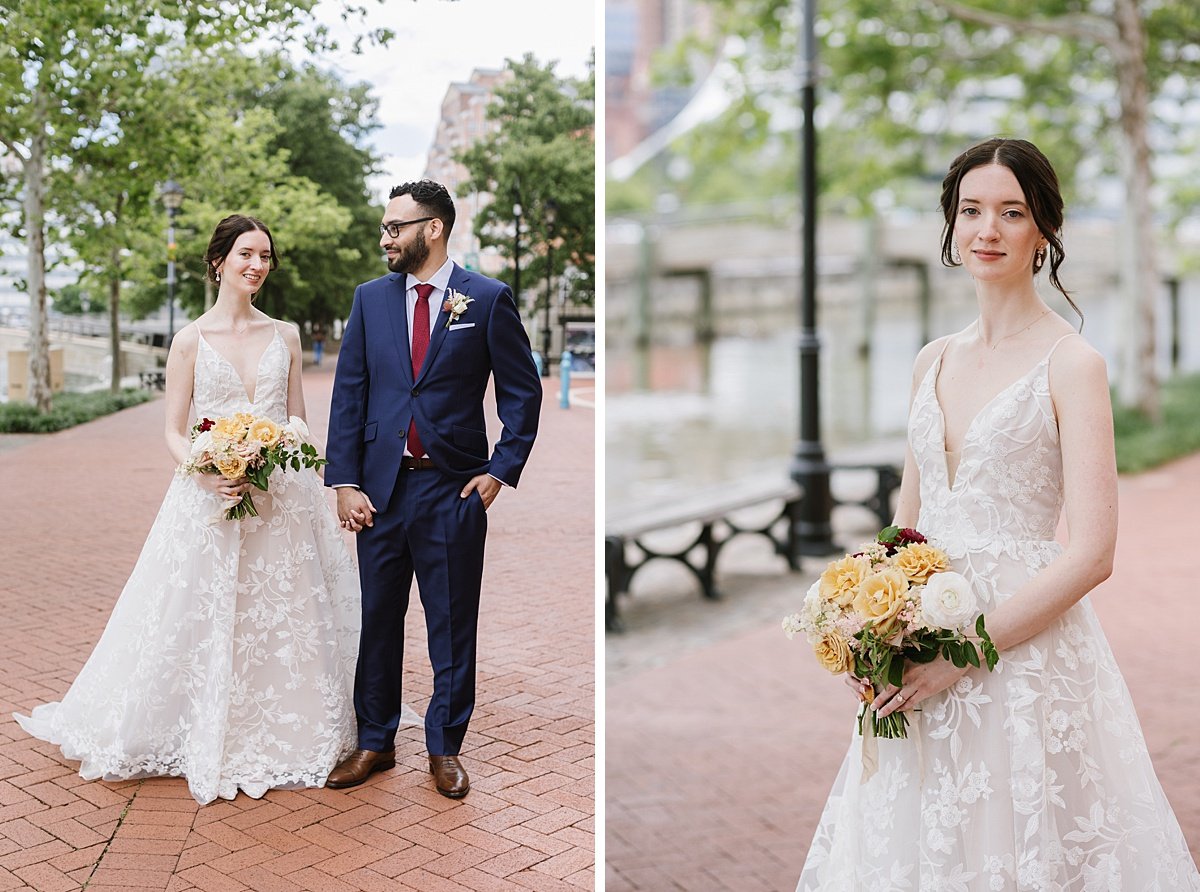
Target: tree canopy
543,151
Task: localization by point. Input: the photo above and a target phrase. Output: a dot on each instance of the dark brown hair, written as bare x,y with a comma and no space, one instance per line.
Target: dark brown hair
227,232
432,198
1038,181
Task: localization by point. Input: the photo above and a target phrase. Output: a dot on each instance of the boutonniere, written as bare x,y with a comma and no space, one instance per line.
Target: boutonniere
455,304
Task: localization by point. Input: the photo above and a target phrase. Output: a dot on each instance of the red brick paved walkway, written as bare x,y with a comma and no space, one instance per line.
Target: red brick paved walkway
76,507
718,763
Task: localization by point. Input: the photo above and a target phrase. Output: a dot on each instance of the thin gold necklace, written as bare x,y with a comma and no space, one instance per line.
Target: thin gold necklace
1012,334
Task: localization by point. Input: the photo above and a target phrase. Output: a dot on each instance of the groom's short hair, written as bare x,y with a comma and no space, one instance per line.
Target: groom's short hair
432,198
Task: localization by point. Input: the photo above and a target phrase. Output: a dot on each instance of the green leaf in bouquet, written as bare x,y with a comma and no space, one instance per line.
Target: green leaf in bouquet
971,654
888,535
295,463
954,649
895,674
923,654
990,654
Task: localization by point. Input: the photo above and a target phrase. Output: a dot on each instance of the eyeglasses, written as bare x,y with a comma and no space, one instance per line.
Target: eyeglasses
393,229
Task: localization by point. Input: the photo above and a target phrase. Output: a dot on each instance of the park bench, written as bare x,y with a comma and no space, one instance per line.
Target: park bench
154,379
714,510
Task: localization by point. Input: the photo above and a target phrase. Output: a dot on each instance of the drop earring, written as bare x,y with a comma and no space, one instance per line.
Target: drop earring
954,255
1039,259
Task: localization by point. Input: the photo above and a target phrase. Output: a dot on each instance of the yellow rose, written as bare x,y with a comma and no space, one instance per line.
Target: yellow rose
841,579
834,654
231,466
921,560
265,431
228,428
880,597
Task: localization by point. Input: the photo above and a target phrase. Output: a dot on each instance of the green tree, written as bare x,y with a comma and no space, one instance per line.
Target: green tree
899,78
63,68
323,126
68,71
542,151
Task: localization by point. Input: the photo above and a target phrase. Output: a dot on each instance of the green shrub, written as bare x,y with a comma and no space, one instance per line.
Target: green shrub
67,410
1142,445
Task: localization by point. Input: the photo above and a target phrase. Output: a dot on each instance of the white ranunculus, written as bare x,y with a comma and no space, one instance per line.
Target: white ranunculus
948,602
300,428
203,443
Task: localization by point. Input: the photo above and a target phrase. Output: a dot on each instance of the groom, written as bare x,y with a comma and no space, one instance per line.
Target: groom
408,455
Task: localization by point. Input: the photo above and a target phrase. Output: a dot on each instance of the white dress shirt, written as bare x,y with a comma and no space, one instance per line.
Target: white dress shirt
440,282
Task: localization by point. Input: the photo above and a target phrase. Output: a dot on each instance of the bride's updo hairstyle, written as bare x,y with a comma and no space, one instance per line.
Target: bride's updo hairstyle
226,233
1039,183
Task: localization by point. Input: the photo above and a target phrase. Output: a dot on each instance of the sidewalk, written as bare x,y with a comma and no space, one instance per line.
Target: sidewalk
76,509
723,737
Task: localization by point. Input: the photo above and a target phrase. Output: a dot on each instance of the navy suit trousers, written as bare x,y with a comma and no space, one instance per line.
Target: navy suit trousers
430,531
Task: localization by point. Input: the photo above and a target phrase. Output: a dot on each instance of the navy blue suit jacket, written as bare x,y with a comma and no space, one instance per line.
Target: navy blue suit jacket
375,396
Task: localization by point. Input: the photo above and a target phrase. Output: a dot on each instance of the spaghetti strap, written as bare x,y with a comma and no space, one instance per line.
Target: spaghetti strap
1070,334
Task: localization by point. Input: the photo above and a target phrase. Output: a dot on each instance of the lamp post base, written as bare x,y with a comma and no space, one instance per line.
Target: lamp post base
814,532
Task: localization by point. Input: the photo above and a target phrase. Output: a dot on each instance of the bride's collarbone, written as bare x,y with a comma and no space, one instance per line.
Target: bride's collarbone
970,377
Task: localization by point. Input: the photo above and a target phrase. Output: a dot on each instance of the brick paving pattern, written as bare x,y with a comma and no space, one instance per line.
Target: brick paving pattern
722,738
76,508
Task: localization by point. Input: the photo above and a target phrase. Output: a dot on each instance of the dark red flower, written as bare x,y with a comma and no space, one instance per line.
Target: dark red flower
909,536
205,424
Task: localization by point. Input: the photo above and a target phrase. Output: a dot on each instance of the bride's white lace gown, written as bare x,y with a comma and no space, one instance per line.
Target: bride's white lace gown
1035,776
229,657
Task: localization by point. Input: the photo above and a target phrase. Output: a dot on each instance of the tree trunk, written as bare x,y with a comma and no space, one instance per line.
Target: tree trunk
35,244
114,322
1138,381
114,305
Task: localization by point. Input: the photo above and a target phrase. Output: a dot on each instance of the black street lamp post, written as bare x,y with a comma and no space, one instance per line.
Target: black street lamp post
551,212
171,194
809,468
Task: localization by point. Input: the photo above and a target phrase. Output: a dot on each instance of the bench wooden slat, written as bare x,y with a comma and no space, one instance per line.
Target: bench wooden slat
705,507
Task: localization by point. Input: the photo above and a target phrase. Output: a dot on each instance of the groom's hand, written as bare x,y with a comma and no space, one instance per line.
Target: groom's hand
488,487
354,509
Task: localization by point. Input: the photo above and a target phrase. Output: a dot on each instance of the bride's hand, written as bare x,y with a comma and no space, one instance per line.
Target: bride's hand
860,686
223,487
921,681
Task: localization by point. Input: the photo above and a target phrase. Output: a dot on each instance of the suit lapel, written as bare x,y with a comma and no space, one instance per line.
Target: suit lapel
397,305
457,281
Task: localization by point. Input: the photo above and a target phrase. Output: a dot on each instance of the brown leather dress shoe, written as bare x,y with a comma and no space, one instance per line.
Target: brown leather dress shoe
358,766
449,776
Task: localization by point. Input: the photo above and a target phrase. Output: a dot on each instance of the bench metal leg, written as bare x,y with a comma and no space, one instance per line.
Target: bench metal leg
708,576
791,511
616,571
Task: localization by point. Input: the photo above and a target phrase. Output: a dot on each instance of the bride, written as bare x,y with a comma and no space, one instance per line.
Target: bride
229,656
1035,776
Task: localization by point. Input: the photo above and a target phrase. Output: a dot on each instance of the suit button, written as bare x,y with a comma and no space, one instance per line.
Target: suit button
402,434
416,392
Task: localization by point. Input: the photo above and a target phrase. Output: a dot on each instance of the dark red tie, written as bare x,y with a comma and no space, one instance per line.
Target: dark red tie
420,345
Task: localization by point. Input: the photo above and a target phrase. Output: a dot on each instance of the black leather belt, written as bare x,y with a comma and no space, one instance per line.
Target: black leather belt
408,463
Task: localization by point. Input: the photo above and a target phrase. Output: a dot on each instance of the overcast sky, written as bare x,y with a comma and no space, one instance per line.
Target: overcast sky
439,42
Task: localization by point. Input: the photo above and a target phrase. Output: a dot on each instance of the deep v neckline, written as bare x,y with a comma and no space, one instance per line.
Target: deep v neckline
932,377
257,366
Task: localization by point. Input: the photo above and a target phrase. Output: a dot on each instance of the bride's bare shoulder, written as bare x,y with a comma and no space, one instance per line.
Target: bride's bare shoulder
186,339
1075,362
928,354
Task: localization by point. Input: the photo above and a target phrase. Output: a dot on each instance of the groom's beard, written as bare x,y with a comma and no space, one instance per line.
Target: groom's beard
411,258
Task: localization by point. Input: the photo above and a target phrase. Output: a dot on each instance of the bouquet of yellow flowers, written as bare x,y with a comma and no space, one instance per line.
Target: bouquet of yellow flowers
244,444
892,601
